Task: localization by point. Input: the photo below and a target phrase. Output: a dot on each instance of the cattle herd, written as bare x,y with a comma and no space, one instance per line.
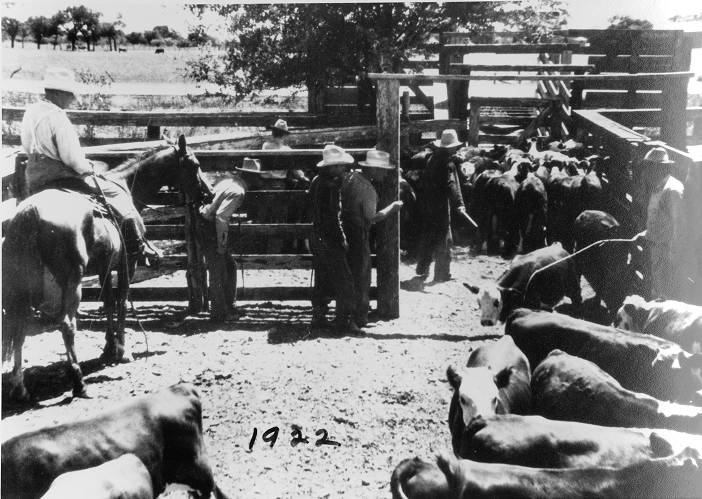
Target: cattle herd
557,407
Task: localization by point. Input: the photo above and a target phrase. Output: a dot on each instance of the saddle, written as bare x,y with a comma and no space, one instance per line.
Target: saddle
90,194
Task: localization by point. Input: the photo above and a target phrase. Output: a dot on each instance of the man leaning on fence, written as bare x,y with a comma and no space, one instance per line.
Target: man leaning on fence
332,275
56,160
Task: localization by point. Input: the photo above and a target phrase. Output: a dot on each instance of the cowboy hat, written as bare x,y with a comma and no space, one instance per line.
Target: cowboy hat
281,126
658,155
334,155
377,159
61,79
449,139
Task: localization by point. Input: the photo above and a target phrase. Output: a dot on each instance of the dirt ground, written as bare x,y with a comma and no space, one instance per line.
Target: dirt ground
383,397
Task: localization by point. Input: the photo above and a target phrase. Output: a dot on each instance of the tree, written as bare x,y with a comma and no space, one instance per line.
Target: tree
198,36
11,28
83,22
38,27
56,27
136,38
626,22
319,45
112,32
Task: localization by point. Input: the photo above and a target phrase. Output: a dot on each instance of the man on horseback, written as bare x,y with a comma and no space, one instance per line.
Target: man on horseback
56,160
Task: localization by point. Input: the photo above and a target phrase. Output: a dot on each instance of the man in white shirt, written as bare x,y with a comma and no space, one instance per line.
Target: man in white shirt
56,158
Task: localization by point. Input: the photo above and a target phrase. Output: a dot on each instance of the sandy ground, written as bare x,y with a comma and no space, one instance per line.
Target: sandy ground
383,397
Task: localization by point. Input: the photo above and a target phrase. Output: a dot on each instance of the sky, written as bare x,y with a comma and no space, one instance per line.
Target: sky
145,14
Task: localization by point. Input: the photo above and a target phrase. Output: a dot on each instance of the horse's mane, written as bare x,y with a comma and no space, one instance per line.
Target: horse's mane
126,167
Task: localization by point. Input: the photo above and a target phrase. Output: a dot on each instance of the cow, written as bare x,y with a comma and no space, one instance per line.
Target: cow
121,49
545,443
671,320
159,51
573,389
640,362
495,380
164,430
499,221
125,477
599,263
676,476
497,300
478,206
531,207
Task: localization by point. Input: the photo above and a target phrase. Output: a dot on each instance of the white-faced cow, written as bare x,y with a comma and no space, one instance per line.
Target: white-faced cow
125,477
451,478
569,388
545,290
496,380
640,362
163,430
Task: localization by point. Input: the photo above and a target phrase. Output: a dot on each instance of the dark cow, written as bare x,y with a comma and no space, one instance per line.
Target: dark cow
547,287
164,430
478,207
496,380
570,388
640,362
499,219
531,206
159,51
599,263
123,478
122,49
568,197
676,476
545,443
668,319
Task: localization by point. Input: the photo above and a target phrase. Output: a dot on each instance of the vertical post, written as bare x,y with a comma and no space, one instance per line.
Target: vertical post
153,132
674,97
474,125
195,274
405,139
388,248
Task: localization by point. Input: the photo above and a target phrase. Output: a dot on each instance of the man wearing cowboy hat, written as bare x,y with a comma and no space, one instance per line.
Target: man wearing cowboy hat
279,131
441,193
359,205
332,275
55,158
663,195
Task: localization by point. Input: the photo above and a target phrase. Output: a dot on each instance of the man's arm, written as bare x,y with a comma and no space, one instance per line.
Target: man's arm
68,146
393,207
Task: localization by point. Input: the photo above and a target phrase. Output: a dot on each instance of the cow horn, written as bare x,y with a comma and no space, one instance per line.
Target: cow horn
473,289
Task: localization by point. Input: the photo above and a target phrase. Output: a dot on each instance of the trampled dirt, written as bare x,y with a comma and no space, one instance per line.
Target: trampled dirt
383,397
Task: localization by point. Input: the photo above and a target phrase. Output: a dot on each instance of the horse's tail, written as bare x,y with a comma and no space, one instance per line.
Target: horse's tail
22,274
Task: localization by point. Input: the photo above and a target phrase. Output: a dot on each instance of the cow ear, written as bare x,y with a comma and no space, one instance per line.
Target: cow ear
660,447
502,378
473,289
454,378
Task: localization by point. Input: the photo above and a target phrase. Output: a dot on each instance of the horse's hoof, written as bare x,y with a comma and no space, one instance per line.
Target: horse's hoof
81,393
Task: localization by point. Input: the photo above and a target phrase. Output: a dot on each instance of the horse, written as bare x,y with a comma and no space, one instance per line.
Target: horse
56,238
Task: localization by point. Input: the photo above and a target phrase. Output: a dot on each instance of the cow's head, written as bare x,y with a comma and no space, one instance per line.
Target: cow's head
632,315
478,391
495,302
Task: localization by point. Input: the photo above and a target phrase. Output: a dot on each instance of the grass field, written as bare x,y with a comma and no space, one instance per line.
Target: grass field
132,66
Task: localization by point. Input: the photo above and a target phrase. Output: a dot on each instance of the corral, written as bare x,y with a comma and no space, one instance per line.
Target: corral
267,369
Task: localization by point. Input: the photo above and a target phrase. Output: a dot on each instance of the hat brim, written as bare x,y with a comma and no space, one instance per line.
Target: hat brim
665,162
380,167
437,143
344,160
63,87
247,170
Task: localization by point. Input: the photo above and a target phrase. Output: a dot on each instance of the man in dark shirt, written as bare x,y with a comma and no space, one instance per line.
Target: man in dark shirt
332,275
441,193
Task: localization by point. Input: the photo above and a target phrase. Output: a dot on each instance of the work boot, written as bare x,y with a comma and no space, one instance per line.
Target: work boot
319,318
346,325
151,255
138,248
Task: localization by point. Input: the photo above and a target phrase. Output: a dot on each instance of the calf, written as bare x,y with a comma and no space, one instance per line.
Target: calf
497,300
640,362
668,319
599,263
570,388
451,478
531,204
568,197
164,430
544,443
496,380
123,478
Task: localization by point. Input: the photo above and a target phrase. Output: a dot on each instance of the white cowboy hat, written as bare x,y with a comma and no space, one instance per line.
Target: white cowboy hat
250,165
334,155
658,155
377,159
61,79
449,138
280,125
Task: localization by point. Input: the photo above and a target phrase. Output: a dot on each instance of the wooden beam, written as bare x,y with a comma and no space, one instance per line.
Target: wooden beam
388,116
511,101
291,231
593,121
427,102
517,48
525,67
590,77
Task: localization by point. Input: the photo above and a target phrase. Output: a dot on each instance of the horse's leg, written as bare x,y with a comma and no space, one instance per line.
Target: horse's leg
15,324
108,301
71,302
122,353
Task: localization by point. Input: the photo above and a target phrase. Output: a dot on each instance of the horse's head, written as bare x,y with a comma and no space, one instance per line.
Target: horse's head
187,175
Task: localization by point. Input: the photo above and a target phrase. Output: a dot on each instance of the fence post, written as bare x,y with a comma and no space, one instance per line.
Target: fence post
674,97
153,132
196,274
474,124
388,247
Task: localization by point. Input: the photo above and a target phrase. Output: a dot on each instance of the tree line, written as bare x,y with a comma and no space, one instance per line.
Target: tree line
81,25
